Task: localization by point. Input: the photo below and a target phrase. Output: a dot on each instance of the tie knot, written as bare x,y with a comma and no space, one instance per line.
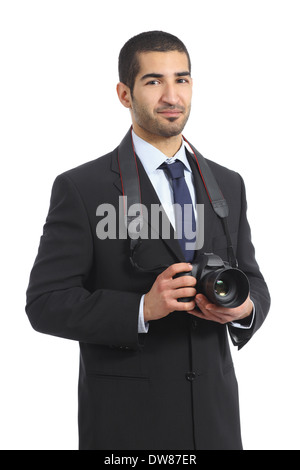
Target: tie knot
175,170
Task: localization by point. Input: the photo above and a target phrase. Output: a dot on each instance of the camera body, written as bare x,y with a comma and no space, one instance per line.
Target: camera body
218,281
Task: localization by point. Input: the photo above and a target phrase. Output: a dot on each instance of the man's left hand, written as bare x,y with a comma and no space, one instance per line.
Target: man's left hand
208,311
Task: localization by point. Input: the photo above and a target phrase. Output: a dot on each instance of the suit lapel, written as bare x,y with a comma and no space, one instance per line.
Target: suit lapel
149,198
115,169
202,198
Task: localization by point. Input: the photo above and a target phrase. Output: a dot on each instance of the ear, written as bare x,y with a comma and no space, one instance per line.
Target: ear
124,94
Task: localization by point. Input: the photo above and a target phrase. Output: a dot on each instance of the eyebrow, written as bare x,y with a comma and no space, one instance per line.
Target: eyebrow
160,75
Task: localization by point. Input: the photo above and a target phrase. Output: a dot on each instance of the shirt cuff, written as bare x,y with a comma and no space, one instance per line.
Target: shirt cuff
247,322
143,326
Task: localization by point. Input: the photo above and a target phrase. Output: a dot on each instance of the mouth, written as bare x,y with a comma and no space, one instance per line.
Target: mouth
170,113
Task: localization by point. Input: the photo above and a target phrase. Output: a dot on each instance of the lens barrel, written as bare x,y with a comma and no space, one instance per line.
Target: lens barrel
218,281
227,287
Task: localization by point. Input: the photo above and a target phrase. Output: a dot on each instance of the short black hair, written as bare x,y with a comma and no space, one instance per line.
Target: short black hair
151,41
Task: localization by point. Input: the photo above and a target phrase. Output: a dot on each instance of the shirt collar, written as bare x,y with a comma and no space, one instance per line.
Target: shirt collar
152,158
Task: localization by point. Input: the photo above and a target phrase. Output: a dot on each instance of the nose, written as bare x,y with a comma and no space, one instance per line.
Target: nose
170,95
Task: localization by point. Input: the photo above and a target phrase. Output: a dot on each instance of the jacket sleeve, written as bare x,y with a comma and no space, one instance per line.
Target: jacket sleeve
58,303
259,293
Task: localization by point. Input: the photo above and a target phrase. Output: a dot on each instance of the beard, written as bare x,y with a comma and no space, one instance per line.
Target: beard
164,127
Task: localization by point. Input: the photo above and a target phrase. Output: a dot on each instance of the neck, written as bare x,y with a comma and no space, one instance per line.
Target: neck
169,146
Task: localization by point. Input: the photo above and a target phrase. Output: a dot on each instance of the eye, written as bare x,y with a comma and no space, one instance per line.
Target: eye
182,80
153,82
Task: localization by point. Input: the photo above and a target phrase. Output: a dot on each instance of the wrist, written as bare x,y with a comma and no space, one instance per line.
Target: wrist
248,309
147,315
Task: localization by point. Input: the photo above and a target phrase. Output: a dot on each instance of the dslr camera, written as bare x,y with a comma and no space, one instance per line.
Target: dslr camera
218,281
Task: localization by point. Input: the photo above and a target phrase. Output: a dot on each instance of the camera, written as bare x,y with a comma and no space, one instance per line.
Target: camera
218,281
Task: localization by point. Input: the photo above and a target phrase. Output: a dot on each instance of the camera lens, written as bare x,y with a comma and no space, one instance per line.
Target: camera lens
221,288
227,287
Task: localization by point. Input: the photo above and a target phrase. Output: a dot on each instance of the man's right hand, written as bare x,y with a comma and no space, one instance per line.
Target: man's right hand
163,297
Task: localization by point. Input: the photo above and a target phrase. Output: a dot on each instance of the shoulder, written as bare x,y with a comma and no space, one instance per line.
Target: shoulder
222,172
89,182
89,174
229,180
97,167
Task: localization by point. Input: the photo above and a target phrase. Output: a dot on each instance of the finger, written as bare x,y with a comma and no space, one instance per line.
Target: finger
195,312
184,281
210,312
184,292
201,298
208,307
222,313
185,306
203,302
177,268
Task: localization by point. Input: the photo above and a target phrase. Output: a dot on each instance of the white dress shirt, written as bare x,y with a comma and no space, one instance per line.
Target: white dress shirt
151,158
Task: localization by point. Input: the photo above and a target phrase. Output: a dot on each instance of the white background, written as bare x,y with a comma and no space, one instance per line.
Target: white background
59,109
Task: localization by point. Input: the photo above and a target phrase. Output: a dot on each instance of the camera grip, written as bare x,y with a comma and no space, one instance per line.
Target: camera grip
184,299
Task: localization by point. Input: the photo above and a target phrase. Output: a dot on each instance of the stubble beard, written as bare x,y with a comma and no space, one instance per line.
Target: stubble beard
173,126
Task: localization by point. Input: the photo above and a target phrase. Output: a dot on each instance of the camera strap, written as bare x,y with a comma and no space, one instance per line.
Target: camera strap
216,198
130,180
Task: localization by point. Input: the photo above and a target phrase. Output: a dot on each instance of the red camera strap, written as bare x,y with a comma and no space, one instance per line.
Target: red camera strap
127,160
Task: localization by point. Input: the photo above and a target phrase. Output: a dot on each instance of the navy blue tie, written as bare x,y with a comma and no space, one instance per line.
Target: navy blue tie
184,211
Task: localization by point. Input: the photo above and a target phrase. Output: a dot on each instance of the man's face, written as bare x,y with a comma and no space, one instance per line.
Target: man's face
162,93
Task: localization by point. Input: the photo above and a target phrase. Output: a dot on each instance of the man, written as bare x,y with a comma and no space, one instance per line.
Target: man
155,371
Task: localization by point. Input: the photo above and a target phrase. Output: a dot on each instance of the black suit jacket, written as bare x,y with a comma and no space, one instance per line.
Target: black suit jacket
174,387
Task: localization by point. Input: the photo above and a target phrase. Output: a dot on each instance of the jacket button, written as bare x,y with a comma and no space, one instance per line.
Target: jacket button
190,376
